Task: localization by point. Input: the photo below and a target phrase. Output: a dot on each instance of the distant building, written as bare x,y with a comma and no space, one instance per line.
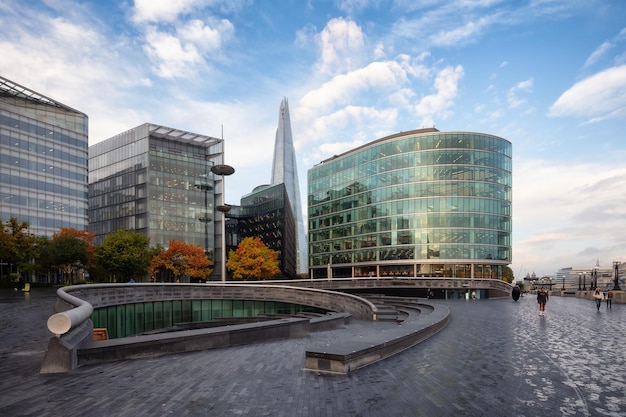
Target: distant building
273,212
285,171
266,213
584,277
158,180
43,161
417,203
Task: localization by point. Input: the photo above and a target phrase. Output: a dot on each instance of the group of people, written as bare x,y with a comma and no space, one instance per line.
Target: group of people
598,296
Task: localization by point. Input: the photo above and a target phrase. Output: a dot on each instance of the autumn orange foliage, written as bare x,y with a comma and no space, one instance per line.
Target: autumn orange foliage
182,260
253,260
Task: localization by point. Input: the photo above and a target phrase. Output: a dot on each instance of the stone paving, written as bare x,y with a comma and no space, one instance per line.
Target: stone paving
495,358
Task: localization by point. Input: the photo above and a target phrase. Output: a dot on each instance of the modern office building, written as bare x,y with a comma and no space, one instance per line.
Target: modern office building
266,213
285,171
43,161
421,203
158,180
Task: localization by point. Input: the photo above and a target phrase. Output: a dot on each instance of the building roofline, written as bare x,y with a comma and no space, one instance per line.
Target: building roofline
14,89
180,135
397,135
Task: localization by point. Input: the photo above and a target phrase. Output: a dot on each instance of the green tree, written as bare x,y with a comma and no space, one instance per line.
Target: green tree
16,246
181,260
253,260
69,254
69,251
124,254
507,274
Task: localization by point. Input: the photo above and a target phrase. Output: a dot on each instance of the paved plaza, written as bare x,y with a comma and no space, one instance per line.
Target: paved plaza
495,358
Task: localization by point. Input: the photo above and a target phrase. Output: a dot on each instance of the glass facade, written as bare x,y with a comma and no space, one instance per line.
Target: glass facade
43,161
132,319
418,203
266,213
158,181
285,171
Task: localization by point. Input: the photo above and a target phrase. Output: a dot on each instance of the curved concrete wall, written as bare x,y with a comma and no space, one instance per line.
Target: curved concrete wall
73,328
103,295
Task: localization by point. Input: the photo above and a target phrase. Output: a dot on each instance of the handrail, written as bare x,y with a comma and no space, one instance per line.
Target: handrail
63,322
80,310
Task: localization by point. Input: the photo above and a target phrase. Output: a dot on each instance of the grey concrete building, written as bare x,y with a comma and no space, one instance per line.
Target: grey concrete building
158,180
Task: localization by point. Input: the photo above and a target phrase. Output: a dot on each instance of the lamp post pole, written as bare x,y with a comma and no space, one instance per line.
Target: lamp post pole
584,282
580,279
223,170
205,218
616,265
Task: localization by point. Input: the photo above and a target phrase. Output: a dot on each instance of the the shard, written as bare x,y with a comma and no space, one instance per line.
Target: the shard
285,171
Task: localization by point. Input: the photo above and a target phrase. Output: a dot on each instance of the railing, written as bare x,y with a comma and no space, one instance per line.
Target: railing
77,311
400,282
73,330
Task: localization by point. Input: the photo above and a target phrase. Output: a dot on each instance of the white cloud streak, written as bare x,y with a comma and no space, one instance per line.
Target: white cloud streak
598,97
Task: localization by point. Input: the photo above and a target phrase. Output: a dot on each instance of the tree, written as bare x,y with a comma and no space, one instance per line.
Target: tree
16,245
70,250
124,254
507,274
253,259
181,260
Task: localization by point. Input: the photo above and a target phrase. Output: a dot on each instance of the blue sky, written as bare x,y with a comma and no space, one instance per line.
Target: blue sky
548,75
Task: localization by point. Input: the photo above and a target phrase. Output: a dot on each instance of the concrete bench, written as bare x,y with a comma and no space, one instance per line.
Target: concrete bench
346,356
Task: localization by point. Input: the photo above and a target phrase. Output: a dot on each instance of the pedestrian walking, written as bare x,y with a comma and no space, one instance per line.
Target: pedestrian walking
598,296
609,299
542,299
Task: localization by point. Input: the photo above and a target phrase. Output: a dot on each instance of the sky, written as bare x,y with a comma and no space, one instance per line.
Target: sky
547,75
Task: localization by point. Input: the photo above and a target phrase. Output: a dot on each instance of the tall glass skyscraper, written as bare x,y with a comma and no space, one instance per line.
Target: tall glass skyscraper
43,161
285,171
158,180
413,204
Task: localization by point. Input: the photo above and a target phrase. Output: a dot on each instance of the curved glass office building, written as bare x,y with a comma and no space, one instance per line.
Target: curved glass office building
421,203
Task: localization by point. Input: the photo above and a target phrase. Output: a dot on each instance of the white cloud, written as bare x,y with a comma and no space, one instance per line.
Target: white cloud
553,218
149,11
171,55
513,94
71,60
342,46
387,76
180,53
463,34
438,105
598,53
600,96
206,38
351,6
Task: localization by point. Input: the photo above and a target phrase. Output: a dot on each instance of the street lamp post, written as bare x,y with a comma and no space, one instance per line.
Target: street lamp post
584,282
580,280
223,170
616,265
205,219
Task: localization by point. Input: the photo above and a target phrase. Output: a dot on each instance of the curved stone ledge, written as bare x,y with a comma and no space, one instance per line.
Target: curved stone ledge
349,355
103,295
72,312
73,329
